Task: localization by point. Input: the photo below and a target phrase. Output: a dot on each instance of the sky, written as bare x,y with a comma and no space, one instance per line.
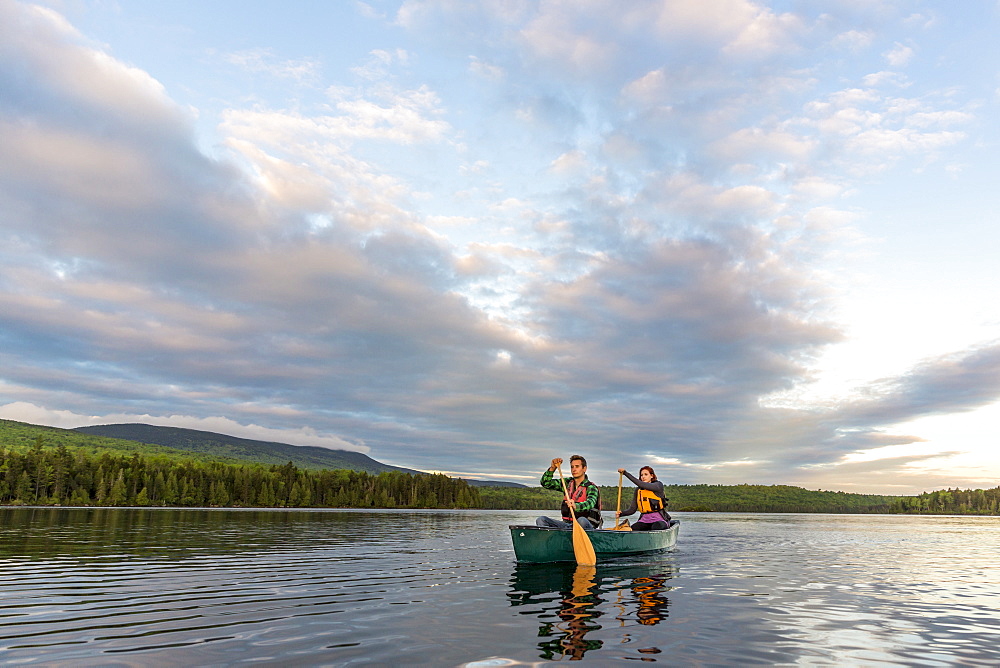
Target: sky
738,241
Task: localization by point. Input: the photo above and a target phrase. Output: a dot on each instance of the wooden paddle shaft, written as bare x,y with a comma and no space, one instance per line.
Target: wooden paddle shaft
583,549
619,508
569,501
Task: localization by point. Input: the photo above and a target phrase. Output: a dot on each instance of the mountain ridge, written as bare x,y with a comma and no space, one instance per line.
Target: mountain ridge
265,452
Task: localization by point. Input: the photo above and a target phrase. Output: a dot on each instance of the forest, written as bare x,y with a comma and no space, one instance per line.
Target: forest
61,476
950,502
42,474
766,499
709,498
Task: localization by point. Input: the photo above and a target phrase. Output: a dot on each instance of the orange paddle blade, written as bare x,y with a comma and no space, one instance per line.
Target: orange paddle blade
583,549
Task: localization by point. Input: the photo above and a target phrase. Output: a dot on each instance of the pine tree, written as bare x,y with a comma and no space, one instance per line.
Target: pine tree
171,490
116,496
24,490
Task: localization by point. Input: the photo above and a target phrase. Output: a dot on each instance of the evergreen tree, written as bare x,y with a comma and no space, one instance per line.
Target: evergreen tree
117,495
25,489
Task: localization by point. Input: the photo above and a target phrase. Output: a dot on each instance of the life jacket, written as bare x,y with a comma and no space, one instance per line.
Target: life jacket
578,493
649,502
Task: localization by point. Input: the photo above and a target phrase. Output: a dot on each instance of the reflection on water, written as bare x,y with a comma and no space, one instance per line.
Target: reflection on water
173,532
578,613
187,587
571,601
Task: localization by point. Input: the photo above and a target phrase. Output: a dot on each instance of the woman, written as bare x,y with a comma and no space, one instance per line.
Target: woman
648,501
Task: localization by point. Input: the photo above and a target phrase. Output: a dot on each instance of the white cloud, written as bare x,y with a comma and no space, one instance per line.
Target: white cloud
50,50
264,61
899,56
854,40
607,224
379,63
486,70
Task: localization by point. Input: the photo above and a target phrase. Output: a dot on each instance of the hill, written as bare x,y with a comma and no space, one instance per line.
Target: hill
242,449
201,445
21,436
232,448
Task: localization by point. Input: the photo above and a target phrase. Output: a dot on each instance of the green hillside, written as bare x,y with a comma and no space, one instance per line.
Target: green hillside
186,444
232,448
63,475
21,436
203,446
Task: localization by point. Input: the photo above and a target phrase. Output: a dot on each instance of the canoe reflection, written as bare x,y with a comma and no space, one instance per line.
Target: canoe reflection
571,602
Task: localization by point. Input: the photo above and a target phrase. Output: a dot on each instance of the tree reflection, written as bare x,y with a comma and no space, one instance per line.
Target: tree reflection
572,603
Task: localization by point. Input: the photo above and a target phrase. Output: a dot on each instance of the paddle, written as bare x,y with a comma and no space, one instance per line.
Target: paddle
619,526
583,549
619,508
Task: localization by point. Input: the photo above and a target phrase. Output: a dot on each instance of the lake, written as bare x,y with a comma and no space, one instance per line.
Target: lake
198,587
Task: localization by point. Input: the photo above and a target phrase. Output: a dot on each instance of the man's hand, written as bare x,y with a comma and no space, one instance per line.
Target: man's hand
556,463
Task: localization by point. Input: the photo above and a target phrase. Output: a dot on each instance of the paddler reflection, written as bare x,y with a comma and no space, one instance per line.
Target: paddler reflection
573,603
576,613
652,604
567,603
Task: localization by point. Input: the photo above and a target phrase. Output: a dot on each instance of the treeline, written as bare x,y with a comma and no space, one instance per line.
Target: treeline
950,502
717,498
59,476
522,498
772,499
764,499
74,476
786,499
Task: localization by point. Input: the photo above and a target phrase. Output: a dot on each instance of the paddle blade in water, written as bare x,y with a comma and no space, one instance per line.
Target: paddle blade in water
583,549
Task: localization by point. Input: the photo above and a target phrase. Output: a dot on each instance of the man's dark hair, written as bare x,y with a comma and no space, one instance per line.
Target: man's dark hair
580,457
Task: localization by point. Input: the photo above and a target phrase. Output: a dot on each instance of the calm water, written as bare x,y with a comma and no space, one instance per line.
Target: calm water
124,587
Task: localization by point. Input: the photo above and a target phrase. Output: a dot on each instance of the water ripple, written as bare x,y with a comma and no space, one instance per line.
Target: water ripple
164,588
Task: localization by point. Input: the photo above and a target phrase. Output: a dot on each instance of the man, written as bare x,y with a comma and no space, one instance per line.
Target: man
585,495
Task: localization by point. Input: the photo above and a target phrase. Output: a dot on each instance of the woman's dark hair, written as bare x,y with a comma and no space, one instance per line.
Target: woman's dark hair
652,473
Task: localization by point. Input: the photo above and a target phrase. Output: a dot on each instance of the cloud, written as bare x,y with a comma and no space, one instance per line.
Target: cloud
854,40
379,64
899,56
263,61
950,383
615,235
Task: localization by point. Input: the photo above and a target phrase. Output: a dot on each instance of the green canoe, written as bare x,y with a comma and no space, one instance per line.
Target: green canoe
540,544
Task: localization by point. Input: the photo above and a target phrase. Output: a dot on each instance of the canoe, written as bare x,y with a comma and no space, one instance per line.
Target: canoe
535,544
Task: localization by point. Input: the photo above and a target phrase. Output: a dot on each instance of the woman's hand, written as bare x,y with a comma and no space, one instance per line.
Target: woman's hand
621,470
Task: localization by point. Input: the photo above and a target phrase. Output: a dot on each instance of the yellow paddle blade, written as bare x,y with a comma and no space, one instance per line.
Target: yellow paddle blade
583,549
